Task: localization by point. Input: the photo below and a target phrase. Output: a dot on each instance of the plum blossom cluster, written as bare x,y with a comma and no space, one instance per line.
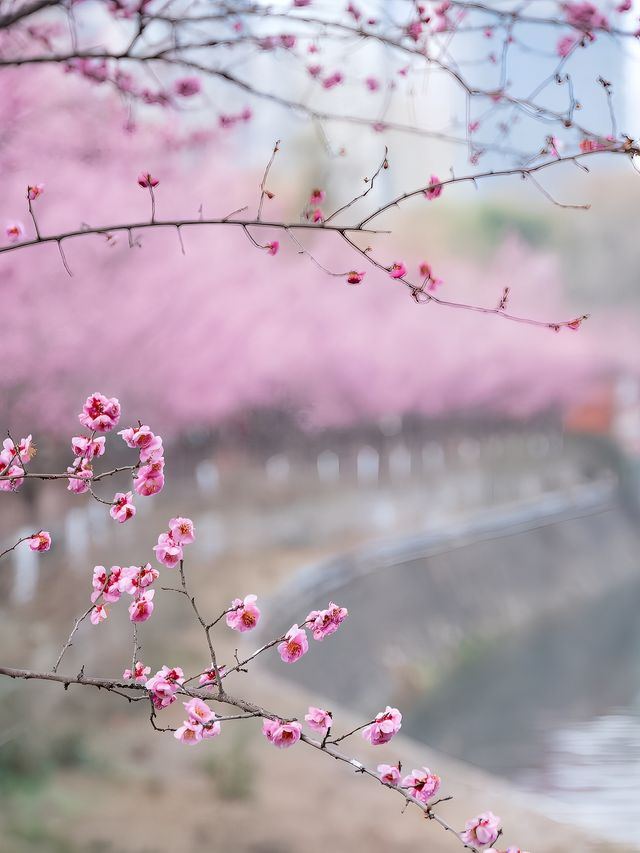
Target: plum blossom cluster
13,459
322,623
201,723
164,685
99,414
169,550
149,476
109,585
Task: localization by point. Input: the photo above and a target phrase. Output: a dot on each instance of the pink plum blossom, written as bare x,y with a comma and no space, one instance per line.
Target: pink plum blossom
398,270
282,734
317,197
141,607
211,728
16,475
481,830
25,449
585,16
386,724
123,508
372,84
189,733
294,645
434,190
151,450
14,231
354,277
145,179
198,711
164,685
100,413
139,674
40,541
423,784
181,530
137,437
149,480
325,622
389,774
106,584
98,614
272,247
82,473
208,678
35,191
245,614
168,552
135,578
319,719
88,448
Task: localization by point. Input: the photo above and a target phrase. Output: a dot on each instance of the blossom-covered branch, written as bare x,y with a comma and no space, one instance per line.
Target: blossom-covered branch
419,788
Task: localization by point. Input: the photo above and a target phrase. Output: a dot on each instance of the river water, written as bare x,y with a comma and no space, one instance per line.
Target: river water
556,710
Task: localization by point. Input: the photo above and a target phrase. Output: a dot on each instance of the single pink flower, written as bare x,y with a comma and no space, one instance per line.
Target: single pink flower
245,614
189,733
294,645
123,508
16,475
137,437
140,673
282,734
272,247
208,678
481,830
149,480
317,197
35,191
372,84
25,450
141,607
182,531
14,231
319,719
434,190
398,270
198,711
354,277
389,774
100,413
386,724
152,450
40,541
423,784
98,614
146,180
167,551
